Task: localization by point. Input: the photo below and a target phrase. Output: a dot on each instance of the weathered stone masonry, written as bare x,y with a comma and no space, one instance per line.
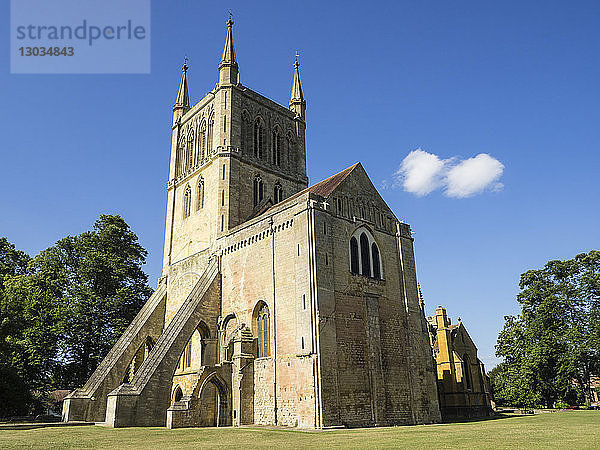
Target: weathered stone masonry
279,304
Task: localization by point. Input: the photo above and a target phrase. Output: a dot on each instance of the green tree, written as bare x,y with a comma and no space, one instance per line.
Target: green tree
552,349
107,288
73,302
14,393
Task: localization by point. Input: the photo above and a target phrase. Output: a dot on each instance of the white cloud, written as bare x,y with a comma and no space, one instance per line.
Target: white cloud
421,173
473,176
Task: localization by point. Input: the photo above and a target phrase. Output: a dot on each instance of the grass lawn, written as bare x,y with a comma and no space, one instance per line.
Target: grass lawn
568,429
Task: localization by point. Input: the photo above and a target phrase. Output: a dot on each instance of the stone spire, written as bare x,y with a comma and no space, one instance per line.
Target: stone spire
183,99
228,67
297,102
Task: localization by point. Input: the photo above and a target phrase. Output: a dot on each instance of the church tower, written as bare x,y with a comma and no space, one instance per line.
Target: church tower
234,154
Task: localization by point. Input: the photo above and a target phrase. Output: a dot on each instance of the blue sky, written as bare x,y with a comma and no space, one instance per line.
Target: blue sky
518,81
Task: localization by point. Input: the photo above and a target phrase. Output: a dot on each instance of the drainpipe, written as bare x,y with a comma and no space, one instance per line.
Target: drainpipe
274,322
312,257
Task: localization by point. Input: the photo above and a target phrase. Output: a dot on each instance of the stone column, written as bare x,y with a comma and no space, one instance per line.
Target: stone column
242,377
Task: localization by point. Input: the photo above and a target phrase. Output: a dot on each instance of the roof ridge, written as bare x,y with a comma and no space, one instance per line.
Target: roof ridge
323,188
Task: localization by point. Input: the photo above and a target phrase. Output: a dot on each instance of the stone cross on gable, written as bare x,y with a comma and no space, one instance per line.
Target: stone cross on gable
325,205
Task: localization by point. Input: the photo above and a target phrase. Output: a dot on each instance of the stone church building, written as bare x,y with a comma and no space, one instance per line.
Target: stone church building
279,304
463,386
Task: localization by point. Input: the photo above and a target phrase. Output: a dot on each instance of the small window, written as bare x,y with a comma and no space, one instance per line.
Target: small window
324,227
259,137
303,301
277,193
258,190
187,202
276,143
263,331
222,222
354,264
223,198
375,256
298,249
326,259
365,257
211,125
201,193
302,342
223,171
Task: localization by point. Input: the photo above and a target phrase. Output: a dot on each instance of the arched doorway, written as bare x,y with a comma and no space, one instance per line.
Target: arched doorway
214,403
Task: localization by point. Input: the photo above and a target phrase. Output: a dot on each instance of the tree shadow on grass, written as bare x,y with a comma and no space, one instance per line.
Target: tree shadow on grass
495,416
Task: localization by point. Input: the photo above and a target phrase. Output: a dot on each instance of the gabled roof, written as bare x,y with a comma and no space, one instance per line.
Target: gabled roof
328,185
323,188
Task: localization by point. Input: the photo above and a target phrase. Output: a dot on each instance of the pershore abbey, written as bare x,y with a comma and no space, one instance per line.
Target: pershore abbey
279,303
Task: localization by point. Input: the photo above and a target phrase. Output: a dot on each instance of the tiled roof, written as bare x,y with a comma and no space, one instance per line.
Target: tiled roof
323,188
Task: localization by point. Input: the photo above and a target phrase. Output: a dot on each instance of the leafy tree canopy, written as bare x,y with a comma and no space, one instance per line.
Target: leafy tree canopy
61,311
552,348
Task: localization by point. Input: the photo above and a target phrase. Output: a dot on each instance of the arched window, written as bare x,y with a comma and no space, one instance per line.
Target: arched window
467,374
202,140
201,193
187,202
354,264
209,139
262,326
189,154
177,394
277,193
375,257
276,144
180,158
259,138
258,190
365,258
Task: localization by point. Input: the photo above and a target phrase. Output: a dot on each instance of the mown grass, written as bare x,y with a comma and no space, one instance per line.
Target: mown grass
567,429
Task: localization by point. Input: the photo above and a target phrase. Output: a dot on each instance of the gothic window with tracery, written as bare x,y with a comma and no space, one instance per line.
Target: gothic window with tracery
365,258
258,190
263,331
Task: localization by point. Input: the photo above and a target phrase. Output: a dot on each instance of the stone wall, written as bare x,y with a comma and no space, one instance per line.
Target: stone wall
258,257
376,366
